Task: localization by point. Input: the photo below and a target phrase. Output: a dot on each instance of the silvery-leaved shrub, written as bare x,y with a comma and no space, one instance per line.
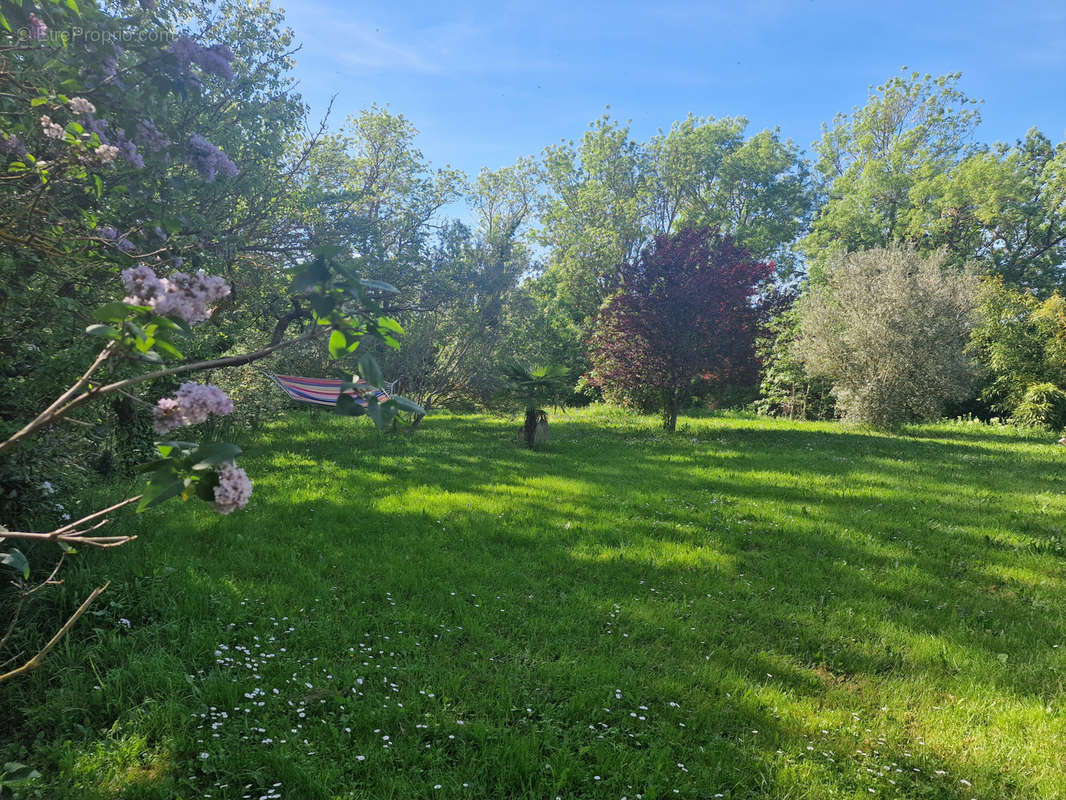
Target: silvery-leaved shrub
889,327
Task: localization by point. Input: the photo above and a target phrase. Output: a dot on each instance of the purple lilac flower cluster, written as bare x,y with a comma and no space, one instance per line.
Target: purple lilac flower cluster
184,49
214,60
234,489
193,404
152,138
12,146
121,242
109,66
116,144
129,152
187,297
99,127
208,159
126,148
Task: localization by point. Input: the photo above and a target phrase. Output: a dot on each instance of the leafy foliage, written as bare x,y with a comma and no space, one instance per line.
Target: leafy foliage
1043,404
905,168
878,164
686,311
889,327
785,387
1003,208
1020,341
609,195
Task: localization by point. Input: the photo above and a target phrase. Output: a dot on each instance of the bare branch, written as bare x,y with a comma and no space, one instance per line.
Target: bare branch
77,537
51,412
49,581
35,662
95,514
59,408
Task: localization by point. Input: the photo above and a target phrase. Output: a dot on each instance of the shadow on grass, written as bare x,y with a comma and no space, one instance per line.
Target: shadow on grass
740,572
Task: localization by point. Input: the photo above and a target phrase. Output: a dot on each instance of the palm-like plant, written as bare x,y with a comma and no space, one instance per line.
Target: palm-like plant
534,387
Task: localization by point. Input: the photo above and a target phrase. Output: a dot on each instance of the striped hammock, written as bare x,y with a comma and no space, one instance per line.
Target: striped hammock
325,391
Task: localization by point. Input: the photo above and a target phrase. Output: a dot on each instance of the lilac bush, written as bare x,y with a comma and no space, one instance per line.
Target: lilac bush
234,489
193,404
208,159
187,297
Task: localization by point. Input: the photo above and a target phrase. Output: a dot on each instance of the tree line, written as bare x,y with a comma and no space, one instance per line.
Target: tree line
699,265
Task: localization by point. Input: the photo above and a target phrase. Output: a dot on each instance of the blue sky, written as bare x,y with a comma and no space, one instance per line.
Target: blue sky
486,83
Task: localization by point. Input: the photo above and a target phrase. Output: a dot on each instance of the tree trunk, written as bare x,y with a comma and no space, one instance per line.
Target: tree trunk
671,401
529,430
540,435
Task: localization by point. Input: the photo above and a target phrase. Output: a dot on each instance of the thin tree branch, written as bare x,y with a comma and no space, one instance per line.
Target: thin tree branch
77,537
95,514
50,412
35,662
59,409
14,621
50,580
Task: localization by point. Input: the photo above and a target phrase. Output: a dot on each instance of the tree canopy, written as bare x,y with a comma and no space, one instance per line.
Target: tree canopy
907,168
686,311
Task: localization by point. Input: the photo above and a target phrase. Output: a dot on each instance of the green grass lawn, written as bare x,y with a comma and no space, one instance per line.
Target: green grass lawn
746,608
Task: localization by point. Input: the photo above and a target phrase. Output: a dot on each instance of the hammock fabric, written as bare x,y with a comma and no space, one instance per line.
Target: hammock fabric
324,391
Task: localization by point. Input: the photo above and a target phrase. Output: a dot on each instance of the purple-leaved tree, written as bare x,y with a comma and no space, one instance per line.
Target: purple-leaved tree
686,311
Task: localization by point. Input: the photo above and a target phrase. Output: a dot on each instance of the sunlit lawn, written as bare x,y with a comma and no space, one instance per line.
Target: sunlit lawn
746,608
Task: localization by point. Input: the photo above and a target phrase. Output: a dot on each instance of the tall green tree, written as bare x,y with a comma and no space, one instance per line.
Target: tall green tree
594,216
375,197
455,319
879,165
609,195
756,189
1005,208
906,168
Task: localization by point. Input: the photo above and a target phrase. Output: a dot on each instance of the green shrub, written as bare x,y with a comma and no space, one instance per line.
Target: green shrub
888,327
1042,404
1020,342
785,388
